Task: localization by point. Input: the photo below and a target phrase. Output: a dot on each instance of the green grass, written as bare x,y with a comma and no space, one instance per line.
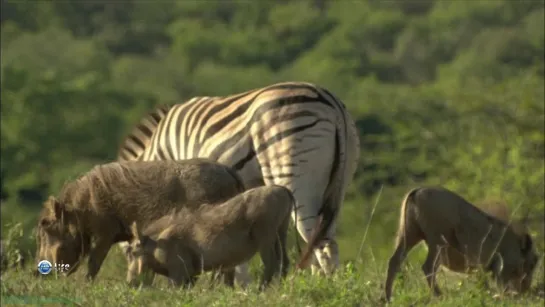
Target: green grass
365,241
352,285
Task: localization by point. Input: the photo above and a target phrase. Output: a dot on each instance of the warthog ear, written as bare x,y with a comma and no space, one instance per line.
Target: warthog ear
496,264
54,206
526,244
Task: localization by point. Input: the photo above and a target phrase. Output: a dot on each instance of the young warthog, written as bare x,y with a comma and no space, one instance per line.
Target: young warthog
100,206
461,237
183,244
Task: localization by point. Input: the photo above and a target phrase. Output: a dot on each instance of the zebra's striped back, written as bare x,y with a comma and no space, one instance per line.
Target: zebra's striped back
293,134
139,138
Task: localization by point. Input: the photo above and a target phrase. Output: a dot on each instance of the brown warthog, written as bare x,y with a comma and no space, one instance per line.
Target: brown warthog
185,243
100,206
461,237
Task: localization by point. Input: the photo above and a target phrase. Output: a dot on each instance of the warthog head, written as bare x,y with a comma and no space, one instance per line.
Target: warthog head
136,254
59,237
514,271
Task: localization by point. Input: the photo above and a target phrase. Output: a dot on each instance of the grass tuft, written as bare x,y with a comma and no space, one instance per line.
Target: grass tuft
351,285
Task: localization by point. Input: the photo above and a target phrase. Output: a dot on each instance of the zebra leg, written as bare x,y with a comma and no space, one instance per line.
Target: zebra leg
242,276
328,259
301,162
329,256
322,261
315,267
326,254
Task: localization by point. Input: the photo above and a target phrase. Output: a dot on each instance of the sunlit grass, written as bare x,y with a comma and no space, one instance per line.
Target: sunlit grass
365,240
352,285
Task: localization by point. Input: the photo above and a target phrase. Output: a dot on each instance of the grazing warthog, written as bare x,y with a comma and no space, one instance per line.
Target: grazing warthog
461,237
100,206
185,243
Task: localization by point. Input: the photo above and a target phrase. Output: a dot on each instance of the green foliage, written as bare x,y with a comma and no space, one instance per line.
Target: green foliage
350,286
442,92
11,245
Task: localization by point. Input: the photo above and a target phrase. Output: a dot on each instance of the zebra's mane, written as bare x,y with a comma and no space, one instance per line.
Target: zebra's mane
136,141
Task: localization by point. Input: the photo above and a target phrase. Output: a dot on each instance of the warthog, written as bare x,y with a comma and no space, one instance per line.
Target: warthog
187,242
461,237
100,206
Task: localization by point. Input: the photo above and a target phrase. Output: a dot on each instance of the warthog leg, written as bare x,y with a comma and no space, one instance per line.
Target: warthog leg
147,276
229,277
405,244
281,249
272,262
430,267
180,277
181,269
96,258
226,275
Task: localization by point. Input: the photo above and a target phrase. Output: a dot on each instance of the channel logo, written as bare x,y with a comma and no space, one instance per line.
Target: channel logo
44,267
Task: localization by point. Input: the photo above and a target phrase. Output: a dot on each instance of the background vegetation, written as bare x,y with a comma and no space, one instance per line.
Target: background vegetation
443,92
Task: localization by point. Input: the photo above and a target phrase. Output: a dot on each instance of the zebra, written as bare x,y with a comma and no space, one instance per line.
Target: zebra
295,134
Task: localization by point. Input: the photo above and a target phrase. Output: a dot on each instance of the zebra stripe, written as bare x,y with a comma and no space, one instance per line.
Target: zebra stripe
136,142
294,134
